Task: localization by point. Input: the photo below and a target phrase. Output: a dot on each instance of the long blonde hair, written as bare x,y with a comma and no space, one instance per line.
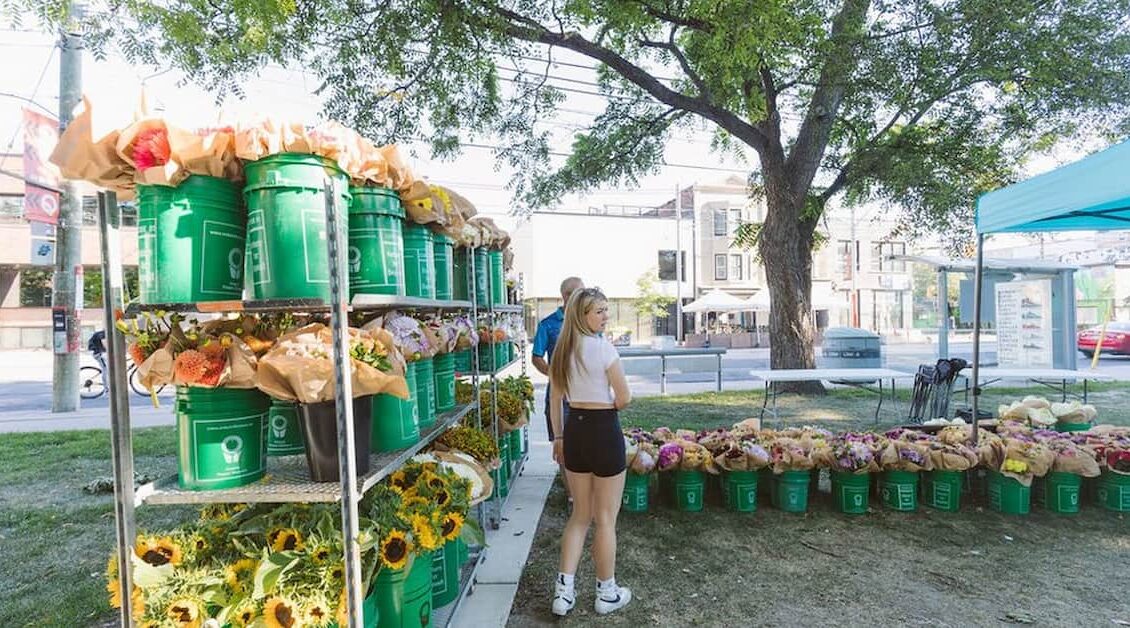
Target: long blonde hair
568,348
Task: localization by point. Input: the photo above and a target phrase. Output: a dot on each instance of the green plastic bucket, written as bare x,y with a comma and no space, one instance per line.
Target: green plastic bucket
442,248
501,475
739,490
790,492
284,435
376,241
851,491
941,490
221,437
515,437
635,492
464,361
462,283
497,278
146,262
404,596
426,392
1114,491
899,490
1072,427
443,365
446,561
396,422
286,225
197,234
690,490
419,261
486,356
1058,492
482,273
1008,495
501,354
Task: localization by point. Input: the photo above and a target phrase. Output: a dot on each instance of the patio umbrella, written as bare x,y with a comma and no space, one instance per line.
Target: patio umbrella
716,301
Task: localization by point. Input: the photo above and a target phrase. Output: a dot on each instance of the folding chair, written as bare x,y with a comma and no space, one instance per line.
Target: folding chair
933,386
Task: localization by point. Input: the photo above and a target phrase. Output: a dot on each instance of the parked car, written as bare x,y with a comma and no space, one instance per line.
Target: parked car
1116,340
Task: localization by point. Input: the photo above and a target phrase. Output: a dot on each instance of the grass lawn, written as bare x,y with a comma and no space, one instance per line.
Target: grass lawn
716,568
55,539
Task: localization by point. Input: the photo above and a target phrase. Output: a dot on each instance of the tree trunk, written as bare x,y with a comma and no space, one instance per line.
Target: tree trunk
785,244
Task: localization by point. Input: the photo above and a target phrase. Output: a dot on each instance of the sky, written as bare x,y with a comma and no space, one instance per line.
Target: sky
31,71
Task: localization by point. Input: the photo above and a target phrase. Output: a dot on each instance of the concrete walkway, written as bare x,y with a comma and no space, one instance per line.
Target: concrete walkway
508,547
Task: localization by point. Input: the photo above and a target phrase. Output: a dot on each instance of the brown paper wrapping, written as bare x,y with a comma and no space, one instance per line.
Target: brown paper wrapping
311,380
87,151
424,204
240,368
890,460
470,462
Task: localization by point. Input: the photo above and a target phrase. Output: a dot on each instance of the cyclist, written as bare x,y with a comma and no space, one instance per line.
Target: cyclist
97,347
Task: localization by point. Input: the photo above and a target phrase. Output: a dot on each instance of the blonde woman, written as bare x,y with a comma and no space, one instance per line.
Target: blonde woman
586,372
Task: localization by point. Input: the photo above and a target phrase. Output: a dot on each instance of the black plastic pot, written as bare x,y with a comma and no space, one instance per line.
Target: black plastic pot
319,428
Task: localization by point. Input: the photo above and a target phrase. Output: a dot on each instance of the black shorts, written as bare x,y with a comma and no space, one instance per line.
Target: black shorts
594,443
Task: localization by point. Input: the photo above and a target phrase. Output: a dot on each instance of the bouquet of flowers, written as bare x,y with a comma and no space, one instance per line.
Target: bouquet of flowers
1032,409
899,454
1024,458
471,441
744,454
1074,412
640,450
465,336
464,466
950,450
210,354
299,367
852,452
408,336
444,334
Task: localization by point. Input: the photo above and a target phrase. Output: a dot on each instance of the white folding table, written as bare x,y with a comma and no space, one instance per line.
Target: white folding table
1056,379
861,378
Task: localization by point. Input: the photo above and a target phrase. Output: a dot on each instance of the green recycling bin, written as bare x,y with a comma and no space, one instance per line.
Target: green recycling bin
286,225
195,235
221,437
396,422
376,241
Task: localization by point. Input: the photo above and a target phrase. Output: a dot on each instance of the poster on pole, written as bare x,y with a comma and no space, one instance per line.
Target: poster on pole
41,177
1024,323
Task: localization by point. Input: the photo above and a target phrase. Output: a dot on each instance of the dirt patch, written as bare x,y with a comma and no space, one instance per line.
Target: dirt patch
716,568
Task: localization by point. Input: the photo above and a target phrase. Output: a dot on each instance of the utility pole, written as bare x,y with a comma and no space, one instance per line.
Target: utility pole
678,264
66,293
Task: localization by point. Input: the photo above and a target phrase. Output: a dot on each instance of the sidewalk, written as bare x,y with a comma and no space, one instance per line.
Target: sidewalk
490,599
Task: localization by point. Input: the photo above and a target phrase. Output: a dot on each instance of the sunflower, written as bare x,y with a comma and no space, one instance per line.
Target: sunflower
394,549
280,612
215,512
342,615
399,481
316,613
159,551
113,585
424,533
238,574
137,603
286,540
319,553
334,574
186,612
452,526
442,497
244,614
431,480
414,502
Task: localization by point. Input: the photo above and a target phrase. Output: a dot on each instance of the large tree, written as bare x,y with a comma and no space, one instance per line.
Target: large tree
921,104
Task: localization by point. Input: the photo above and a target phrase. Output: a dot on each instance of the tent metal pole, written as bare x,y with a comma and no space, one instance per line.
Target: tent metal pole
977,281
943,314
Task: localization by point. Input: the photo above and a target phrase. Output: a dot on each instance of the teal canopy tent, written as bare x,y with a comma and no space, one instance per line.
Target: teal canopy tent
1092,194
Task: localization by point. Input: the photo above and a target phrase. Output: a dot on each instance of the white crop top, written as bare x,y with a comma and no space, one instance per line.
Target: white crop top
590,384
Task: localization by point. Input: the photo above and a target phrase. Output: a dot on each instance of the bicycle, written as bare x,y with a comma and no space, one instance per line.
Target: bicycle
92,384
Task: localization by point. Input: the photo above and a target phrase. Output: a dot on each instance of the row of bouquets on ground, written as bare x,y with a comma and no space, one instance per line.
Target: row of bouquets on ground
238,377
1018,461
255,565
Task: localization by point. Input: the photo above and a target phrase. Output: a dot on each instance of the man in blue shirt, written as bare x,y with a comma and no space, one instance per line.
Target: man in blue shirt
544,340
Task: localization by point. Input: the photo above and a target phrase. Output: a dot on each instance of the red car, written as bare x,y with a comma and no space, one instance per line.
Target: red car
1116,339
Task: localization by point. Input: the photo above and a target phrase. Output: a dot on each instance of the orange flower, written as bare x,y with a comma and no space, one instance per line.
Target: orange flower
190,366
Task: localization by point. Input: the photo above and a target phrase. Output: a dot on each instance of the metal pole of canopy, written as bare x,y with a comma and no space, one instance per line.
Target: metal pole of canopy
977,279
343,381
121,443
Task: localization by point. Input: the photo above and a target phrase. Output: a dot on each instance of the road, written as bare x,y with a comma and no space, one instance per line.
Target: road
25,379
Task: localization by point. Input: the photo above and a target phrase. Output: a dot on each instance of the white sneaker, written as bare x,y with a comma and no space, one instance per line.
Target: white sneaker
608,601
563,602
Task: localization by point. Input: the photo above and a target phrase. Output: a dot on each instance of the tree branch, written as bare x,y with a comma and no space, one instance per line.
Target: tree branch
673,48
536,33
671,18
841,60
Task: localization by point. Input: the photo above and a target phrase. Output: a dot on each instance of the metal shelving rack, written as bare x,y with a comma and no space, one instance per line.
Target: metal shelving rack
289,481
